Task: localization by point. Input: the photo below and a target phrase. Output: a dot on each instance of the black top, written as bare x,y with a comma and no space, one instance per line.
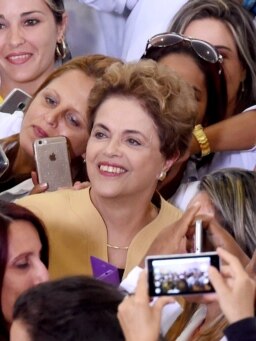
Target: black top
243,330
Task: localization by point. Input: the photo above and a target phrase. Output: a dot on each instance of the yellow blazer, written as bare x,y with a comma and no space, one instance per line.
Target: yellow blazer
77,231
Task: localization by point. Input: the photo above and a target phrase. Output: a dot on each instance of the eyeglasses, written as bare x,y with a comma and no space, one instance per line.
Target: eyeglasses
203,49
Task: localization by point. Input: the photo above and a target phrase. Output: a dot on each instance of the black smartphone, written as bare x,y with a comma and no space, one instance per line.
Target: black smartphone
52,162
17,99
4,162
182,274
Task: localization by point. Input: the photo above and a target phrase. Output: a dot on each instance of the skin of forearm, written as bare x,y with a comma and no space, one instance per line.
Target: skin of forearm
235,133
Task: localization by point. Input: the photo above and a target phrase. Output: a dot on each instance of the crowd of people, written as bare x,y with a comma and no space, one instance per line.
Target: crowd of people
160,125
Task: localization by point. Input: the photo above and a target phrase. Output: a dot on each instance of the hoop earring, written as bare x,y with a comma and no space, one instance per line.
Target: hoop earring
61,49
162,175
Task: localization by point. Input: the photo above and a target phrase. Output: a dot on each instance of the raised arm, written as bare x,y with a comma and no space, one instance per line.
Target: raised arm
235,133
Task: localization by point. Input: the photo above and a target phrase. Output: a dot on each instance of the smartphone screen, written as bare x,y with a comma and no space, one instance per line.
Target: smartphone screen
180,274
52,162
4,162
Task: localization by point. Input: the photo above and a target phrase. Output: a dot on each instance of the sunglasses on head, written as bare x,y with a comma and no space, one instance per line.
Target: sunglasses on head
203,49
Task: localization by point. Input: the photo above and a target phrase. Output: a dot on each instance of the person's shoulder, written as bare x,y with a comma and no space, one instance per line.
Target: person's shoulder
168,209
59,197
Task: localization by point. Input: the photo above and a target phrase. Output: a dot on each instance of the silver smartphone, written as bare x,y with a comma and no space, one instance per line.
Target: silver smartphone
4,162
182,274
198,237
17,99
53,162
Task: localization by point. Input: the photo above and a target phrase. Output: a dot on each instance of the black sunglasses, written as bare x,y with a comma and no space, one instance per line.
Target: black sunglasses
203,49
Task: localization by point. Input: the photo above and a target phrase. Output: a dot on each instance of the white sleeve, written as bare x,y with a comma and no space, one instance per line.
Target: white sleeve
116,6
10,123
170,312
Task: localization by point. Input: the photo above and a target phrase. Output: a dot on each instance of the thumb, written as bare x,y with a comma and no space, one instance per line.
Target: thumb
162,301
218,282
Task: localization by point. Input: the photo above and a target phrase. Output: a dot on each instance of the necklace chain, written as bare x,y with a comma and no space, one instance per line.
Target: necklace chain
117,247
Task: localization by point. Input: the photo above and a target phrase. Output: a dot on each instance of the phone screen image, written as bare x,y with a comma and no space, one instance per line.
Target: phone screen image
181,274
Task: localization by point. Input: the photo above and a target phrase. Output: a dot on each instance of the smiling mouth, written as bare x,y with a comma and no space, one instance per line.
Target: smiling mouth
111,169
19,58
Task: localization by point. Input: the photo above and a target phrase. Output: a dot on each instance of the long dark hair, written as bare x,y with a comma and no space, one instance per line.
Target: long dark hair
242,27
10,212
214,79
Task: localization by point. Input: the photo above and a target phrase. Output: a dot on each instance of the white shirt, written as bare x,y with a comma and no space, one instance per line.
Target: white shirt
10,123
146,18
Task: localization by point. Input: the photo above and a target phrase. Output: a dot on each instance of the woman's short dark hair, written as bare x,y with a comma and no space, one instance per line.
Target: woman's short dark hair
10,212
72,308
168,100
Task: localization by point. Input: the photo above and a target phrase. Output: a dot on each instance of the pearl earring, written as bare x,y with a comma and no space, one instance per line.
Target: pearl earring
162,175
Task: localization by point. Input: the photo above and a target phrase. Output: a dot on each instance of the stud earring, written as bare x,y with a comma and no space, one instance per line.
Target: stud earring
162,175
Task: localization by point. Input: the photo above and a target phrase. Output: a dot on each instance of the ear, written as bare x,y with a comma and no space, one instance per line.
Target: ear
169,162
61,29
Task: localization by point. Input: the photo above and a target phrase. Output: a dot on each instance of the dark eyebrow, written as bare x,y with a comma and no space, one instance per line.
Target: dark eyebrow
100,125
31,12
222,47
128,131
24,14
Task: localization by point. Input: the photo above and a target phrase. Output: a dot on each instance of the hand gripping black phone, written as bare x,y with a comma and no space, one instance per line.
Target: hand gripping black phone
182,274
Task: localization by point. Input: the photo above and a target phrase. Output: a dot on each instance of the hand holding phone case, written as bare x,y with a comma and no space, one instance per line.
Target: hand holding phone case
182,274
52,162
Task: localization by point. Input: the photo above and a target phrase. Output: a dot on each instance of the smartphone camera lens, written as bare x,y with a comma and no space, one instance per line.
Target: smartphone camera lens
21,106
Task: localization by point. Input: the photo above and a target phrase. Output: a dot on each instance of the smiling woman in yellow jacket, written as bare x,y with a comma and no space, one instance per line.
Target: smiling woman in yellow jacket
140,120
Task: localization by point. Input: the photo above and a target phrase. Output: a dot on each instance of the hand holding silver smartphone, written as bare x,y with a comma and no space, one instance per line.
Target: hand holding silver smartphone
52,162
182,274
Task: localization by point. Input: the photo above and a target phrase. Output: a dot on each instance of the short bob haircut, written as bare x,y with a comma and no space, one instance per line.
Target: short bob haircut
240,23
10,212
214,78
72,308
167,99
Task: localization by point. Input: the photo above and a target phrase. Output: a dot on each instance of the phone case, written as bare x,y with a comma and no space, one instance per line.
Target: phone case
4,162
52,162
17,99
